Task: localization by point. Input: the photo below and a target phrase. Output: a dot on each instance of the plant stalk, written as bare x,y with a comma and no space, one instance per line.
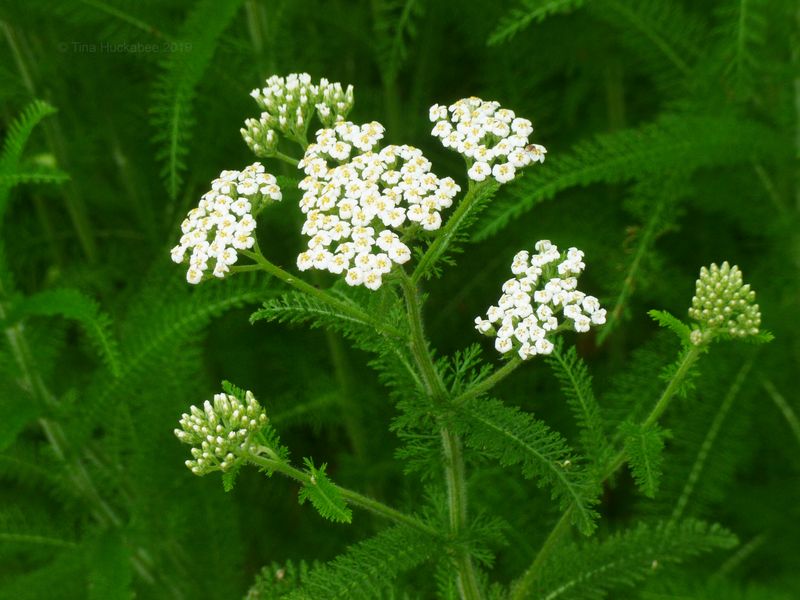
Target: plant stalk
455,477
525,588
354,498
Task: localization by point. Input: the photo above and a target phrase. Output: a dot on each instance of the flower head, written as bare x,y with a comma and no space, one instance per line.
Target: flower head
224,221
723,304
541,299
357,197
289,104
221,431
492,139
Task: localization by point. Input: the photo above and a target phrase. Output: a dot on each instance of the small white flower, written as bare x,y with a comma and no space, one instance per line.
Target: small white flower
479,171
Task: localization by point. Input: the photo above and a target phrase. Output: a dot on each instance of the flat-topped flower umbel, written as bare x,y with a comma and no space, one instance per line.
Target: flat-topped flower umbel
359,199
544,288
492,139
224,221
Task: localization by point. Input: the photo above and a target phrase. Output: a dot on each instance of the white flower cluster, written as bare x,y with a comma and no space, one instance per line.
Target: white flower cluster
289,104
723,303
543,288
220,431
354,206
493,139
224,221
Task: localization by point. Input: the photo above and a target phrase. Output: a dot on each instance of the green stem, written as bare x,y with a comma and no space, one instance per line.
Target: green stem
525,587
286,158
354,498
492,380
445,237
455,476
307,288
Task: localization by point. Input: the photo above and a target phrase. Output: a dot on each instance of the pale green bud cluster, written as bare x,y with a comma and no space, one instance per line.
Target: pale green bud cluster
289,103
220,433
723,304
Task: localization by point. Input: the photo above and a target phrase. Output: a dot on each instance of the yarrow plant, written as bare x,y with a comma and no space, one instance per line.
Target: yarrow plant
544,288
368,210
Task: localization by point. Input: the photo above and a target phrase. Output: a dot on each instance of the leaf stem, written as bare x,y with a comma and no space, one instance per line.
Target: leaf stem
322,295
492,380
285,158
455,478
354,498
445,237
525,587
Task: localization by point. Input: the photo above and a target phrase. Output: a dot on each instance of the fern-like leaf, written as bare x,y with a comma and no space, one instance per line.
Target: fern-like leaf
395,27
174,93
516,438
72,304
576,384
592,570
673,323
276,580
368,568
673,143
14,144
531,11
324,496
644,447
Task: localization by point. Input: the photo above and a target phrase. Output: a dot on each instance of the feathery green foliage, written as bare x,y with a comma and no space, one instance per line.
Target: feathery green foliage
576,385
594,569
644,447
323,495
72,304
516,438
674,142
367,568
173,116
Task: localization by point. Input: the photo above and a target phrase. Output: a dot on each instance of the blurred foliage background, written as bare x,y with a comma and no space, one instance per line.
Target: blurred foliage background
673,136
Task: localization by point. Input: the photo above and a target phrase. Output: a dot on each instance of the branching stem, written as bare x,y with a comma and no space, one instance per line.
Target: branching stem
452,450
322,295
526,586
354,498
448,232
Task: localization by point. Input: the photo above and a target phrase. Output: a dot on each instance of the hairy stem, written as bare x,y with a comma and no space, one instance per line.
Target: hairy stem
455,478
526,586
354,498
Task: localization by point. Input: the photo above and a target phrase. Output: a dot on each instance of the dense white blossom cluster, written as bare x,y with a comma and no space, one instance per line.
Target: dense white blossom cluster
722,303
220,431
492,139
224,221
543,289
357,197
289,104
